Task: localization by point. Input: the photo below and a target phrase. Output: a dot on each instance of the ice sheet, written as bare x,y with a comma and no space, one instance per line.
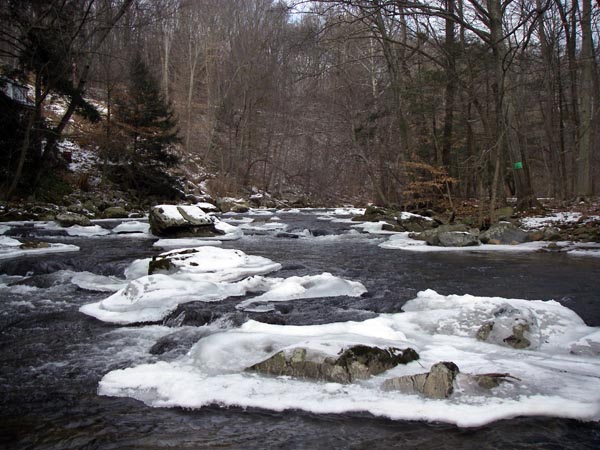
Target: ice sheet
552,380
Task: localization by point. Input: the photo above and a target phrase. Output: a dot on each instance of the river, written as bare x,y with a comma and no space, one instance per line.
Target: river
52,357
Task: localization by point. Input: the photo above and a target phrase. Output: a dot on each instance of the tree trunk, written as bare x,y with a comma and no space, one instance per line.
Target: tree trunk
586,105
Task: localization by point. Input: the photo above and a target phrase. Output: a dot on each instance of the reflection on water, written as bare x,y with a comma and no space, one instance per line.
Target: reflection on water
52,357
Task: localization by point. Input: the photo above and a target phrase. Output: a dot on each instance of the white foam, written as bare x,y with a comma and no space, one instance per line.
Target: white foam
553,381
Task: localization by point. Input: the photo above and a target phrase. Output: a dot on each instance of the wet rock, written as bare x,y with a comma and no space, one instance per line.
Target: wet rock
355,363
438,383
69,219
181,221
115,212
503,233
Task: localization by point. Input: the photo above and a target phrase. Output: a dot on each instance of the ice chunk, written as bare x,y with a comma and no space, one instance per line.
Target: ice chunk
312,286
552,381
199,274
89,231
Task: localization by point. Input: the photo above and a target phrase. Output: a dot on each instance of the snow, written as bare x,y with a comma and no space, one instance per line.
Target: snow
134,226
373,227
552,380
311,286
4,229
200,274
206,206
556,218
185,242
89,231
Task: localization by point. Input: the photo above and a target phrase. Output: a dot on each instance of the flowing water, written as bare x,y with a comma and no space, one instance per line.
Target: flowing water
52,357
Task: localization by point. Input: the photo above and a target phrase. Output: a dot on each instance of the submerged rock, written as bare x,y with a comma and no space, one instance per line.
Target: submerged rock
438,383
355,363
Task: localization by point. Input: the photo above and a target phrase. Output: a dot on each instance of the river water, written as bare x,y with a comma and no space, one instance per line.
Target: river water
52,357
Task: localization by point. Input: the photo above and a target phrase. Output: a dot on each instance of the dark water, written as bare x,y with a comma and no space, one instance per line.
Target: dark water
52,357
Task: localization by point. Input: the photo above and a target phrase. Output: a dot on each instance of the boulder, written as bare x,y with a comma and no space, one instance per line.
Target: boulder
503,233
115,212
355,363
512,327
438,383
232,205
181,221
454,239
69,219
431,233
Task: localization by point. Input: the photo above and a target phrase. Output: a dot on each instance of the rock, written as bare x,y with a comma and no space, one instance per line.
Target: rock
512,327
232,205
438,383
454,239
490,380
29,245
503,233
115,212
181,221
355,363
427,234
69,219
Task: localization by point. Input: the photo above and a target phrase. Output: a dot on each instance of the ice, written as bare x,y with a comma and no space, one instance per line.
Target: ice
200,274
10,248
264,226
401,241
6,241
100,283
89,231
134,226
311,286
373,227
555,379
4,229
185,242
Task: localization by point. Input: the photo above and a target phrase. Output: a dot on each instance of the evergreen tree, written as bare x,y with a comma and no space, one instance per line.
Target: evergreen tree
150,130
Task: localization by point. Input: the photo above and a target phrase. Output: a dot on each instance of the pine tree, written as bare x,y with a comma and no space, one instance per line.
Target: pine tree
149,128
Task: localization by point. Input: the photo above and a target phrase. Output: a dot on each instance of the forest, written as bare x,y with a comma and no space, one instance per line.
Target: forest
398,103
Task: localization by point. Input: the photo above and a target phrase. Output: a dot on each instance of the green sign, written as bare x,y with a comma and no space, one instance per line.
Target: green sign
518,165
